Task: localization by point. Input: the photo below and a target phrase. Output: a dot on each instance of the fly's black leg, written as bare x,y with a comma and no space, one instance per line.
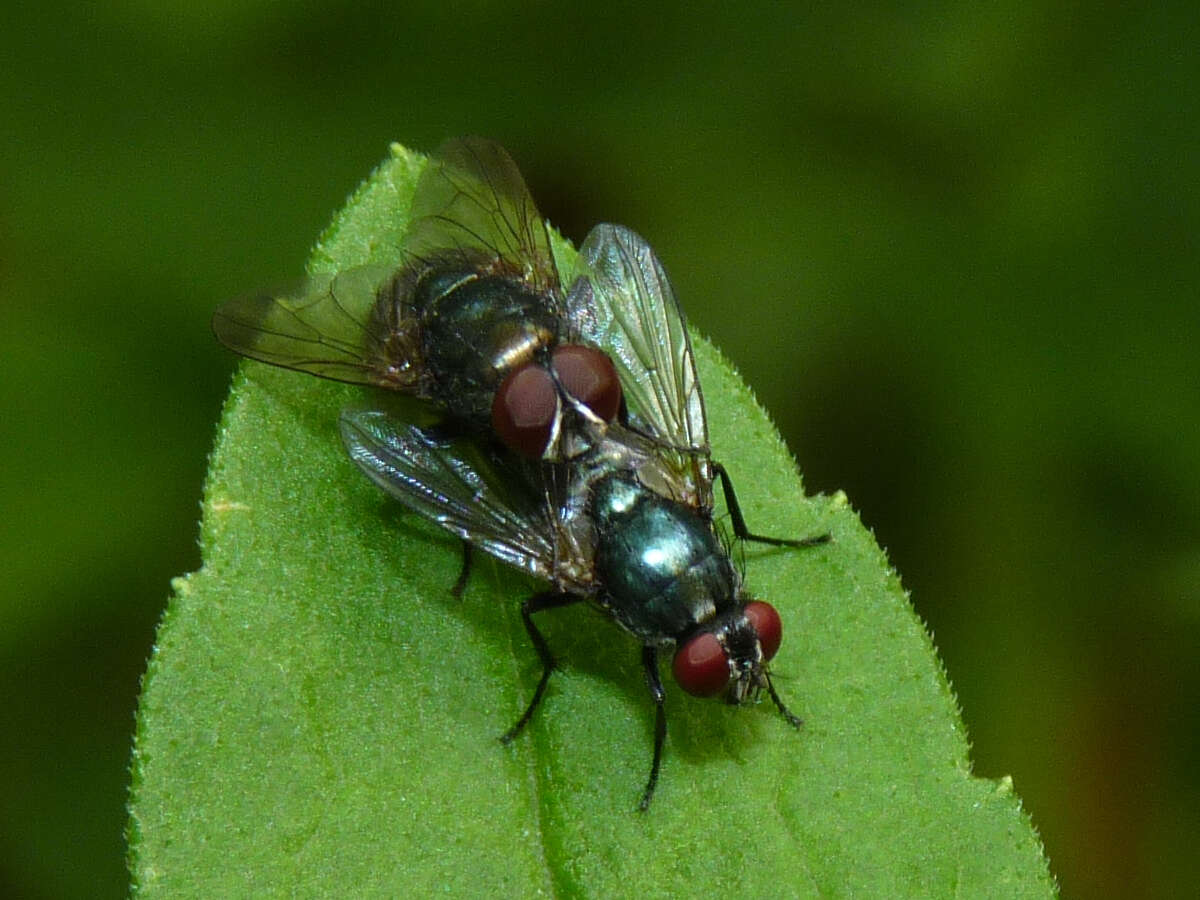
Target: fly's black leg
535,604
654,682
739,523
792,718
464,574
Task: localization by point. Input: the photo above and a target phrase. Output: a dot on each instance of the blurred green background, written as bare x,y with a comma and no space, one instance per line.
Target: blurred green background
952,247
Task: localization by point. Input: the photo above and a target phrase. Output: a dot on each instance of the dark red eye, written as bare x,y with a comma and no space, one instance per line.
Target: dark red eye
524,410
590,377
701,666
767,623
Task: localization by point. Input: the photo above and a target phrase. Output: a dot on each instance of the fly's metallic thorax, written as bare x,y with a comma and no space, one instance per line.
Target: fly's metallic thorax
663,569
475,329
614,462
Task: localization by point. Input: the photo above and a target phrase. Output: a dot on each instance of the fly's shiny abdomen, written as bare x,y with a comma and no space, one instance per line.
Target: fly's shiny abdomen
662,567
476,333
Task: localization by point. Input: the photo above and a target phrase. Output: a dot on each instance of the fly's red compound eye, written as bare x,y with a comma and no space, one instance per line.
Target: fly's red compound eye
701,666
524,410
590,377
767,623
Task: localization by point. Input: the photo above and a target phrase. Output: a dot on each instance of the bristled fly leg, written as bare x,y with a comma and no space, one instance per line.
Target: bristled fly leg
464,574
739,522
535,604
654,683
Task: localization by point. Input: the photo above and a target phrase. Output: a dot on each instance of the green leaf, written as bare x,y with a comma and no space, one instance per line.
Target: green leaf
320,715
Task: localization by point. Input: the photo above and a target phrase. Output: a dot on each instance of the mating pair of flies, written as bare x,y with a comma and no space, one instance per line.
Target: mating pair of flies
573,443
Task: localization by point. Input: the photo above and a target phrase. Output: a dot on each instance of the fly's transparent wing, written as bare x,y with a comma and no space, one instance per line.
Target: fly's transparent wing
490,508
622,303
328,329
471,199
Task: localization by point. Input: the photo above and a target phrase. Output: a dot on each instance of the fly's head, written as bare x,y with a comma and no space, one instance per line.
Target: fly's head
558,406
729,654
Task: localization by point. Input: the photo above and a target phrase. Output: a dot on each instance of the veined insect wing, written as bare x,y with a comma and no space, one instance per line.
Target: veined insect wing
325,328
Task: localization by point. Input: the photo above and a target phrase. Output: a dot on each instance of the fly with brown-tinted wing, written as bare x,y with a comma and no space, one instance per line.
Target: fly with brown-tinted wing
474,320
581,454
